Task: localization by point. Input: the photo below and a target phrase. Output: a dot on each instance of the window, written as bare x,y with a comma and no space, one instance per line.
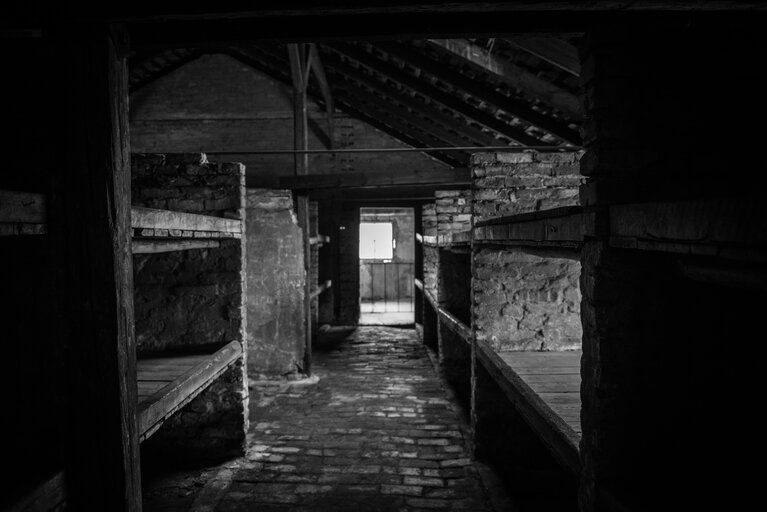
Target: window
376,241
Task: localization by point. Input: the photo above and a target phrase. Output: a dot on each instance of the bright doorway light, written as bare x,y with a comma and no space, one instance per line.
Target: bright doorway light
376,241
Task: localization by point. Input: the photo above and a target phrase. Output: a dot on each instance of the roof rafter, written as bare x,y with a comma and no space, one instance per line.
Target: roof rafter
553,50
515,107
395,74
511,74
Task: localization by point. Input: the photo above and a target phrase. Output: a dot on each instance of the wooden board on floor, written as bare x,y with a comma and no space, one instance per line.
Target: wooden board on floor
165,384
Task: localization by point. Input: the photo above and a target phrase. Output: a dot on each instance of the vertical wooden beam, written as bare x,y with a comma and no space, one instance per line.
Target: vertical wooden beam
299,70
90,226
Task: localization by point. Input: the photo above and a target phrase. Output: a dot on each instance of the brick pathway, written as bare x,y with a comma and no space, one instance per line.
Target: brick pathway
376,433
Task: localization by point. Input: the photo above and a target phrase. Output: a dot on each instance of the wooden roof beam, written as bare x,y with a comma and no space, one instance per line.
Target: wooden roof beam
516,108
341,68
511,74
395,74
322,81
553,50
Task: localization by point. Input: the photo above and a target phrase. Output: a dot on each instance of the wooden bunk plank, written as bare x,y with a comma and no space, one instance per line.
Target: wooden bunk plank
562,227
429,240
554,423
461,238
154,410
166,223
161,246
319,240
418,284
707,227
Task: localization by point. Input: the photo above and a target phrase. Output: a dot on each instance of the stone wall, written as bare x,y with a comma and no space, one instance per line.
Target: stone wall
526,299
430,254
276,277
194,301
513,183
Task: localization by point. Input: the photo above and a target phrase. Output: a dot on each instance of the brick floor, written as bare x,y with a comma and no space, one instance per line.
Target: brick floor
375,433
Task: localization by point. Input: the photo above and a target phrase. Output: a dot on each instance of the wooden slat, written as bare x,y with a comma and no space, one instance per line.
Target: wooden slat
161,246
430,240
176,223
319,240
432,299
154,410
728,228
426,89
519,109
556,432
455,325
445,176
512,75
566,228
460,238
418,284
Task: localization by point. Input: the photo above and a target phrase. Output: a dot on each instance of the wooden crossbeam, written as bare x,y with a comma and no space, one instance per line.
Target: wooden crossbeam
454,176
395,74
511,74
516,108
319,73
150,218
553,50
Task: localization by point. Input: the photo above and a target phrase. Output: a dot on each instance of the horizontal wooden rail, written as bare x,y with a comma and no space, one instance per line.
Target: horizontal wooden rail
455,325
729,228
319,240
149,222
321,289
161,246
158,407
561,227
429,240
460,238
554,432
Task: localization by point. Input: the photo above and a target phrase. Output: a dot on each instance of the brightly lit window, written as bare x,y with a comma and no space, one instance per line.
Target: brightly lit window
376,241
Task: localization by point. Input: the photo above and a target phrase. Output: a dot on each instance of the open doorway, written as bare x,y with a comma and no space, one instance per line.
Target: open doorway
386,255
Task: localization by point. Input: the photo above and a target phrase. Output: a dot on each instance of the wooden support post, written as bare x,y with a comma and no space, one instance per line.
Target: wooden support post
90,227
299,68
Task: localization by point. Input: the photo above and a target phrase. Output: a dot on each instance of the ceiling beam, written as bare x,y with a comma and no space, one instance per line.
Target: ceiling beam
424,88
322,81
511,74
455,176
553,50
516,108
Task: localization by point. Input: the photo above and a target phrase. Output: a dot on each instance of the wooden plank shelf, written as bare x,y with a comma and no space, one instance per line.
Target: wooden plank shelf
559,227
729,228
165,384
545,388
22,213
455,325
152,223
321,289
459,239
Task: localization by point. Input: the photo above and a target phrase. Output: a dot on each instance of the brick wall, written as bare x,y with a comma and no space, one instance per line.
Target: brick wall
276,277
430,254
453,210
194,300
512,183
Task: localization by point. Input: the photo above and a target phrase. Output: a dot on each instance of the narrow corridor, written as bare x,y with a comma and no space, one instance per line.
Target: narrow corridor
375,433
